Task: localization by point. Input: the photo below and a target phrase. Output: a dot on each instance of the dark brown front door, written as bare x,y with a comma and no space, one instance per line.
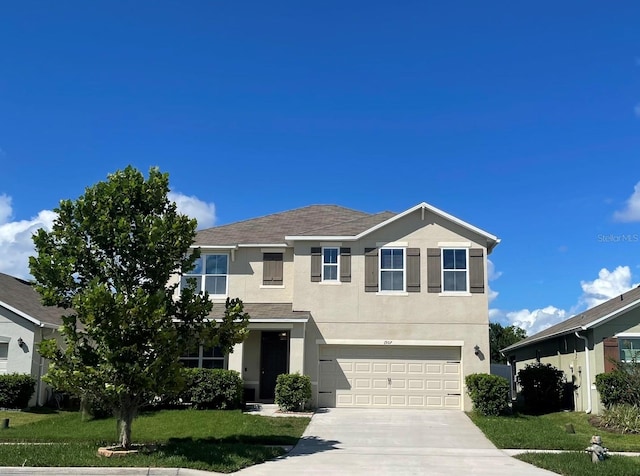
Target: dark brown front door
274,360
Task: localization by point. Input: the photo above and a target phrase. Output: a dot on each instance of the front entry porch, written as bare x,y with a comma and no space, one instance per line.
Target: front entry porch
272,347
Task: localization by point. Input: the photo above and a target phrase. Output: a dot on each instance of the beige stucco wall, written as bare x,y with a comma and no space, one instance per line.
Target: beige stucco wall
246,276
567,354
345,311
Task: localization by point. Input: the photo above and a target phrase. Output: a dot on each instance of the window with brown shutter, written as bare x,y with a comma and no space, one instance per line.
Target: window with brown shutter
272,269
434,270
371,270
611,353
345,265
413,270
316,264
476,270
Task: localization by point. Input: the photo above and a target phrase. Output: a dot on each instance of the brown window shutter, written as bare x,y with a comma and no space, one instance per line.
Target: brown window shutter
345,265
413,270
476,270
434,270
272,269
316,264
611,353
371,270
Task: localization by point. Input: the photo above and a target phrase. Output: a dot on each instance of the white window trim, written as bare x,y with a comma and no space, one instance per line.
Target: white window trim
201,358
204,275
442,270
337,265
404,271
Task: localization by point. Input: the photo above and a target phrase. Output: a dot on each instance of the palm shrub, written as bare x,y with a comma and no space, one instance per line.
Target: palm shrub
622,417
293,391
16,390
489,393
542,388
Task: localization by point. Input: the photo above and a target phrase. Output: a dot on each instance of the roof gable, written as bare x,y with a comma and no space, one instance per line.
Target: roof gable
19,296
317,222
588,319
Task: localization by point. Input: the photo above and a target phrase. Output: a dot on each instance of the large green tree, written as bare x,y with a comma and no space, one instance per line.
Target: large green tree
501,337
113,260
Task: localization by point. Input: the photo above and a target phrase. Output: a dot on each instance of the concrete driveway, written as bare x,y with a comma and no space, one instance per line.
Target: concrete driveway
344,441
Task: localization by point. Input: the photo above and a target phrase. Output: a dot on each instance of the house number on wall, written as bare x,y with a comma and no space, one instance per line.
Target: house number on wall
388,342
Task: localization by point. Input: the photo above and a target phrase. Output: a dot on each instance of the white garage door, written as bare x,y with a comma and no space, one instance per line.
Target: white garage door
390,377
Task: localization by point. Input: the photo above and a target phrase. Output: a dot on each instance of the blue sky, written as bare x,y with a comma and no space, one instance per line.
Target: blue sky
520,118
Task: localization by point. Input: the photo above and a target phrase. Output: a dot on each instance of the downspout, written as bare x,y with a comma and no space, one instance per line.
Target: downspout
587,369
40,366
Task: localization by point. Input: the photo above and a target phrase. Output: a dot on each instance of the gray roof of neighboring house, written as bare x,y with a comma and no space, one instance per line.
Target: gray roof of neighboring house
263,311
589,318
325,219
21,296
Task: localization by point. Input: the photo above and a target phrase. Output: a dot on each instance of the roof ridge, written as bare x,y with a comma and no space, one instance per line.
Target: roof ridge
369,215
283,213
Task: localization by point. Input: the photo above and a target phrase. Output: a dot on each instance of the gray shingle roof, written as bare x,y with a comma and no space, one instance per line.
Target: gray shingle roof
20,295
273,228
584,319
263,311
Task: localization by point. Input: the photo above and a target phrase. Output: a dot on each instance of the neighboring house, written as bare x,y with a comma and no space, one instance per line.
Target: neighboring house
585,345
24,322
380,310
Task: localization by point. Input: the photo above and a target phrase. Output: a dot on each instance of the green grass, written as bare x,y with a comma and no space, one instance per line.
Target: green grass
579,464
223,441
547,432
17,418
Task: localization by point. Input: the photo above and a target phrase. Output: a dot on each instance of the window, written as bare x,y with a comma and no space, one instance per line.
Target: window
210,273
272,269
454,270
629,349
392,269
204,358
330,263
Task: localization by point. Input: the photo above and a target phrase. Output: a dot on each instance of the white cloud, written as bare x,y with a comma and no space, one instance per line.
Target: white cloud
204,212
492,275
631,211
607,285
5,208
16,244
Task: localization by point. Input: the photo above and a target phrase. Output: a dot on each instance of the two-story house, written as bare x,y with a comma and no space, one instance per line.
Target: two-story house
380,310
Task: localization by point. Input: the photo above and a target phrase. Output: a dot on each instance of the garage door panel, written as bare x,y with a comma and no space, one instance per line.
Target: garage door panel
402,377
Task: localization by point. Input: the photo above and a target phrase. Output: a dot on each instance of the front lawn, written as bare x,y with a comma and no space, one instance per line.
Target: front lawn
579,464
548,432
223,441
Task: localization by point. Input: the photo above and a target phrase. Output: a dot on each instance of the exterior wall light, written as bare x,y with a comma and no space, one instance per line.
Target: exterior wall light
20,342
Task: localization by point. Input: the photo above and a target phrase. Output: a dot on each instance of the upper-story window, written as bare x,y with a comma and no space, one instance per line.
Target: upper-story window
330,264
272,271
210,272
392,269
454,270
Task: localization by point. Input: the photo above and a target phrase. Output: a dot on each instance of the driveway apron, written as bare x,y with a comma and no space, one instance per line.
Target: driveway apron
354,441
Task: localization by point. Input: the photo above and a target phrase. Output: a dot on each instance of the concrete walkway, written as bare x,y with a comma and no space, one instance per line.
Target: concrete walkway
363,442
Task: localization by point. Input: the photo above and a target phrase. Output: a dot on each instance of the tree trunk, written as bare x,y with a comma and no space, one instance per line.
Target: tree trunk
126,414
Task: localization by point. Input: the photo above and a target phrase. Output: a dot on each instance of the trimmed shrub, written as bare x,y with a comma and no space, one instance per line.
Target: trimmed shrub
489,393
624,418
293,391
16,390
212,389
621,386
542,388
